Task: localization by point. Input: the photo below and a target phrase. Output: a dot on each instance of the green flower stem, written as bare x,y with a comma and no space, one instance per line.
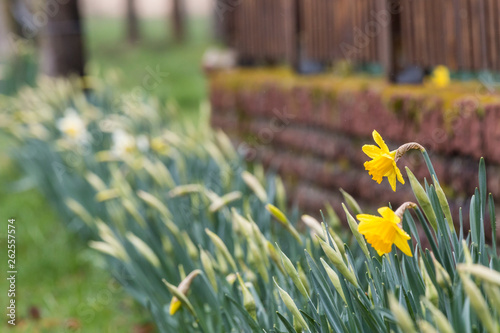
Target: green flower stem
430,166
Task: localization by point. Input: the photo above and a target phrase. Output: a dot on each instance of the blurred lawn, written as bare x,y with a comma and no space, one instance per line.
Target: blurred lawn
59,279
184,81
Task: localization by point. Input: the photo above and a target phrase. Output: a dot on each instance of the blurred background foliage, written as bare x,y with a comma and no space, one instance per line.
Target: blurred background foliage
47,254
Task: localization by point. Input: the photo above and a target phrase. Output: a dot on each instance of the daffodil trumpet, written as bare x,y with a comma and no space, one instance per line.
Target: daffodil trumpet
385,230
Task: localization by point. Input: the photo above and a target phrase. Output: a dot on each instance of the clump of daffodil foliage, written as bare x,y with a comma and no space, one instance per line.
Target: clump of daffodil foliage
208,245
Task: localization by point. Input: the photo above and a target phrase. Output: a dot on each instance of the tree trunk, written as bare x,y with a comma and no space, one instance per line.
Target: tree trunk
178,20
224,20
61,42
7,35
132,22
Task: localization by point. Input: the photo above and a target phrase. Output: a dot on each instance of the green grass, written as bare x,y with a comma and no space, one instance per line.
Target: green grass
57,274
184,81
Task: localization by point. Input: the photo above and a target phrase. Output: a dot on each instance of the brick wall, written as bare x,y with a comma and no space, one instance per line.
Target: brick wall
311,129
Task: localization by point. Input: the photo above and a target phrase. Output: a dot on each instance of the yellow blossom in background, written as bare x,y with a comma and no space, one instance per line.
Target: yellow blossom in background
440,76
383,163
383,231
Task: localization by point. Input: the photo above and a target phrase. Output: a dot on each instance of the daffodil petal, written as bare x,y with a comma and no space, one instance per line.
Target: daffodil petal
378,139
372,151
389,214
383,231
399,175
403,233
392,180
175,304
402,244
367,218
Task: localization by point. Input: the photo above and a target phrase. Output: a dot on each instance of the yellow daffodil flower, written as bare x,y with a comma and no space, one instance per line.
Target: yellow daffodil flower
183,288
440,76
383,163
175,305
383,231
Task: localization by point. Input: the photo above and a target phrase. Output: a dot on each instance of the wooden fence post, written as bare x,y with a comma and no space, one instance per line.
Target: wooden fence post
294,33
178,20
390,42
5,31
132,22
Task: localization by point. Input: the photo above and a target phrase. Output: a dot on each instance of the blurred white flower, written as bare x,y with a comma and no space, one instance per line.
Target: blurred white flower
123,143
142,142
73,126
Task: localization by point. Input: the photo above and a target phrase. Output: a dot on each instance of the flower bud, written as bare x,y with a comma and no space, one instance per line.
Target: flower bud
445,206
354,229
333,219
167,245
313,224
182,190
442,276
206,262
143,249
253,183
259,261
467,256
248,300
225,144
351,202
281,218
303,277
179,293
294,275
131,208
482,272
442,323
224,201
278,214
336,258
190,247
280,193
426,327
231,278
80,211
422,199
403,319
493,293
479,304
337,241
334,278
273,254
290,304
117,252
430,290
153,202
219,244
174,230
107,194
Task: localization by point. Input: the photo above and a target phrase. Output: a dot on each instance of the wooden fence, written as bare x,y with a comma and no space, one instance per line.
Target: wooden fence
266,30
461,34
